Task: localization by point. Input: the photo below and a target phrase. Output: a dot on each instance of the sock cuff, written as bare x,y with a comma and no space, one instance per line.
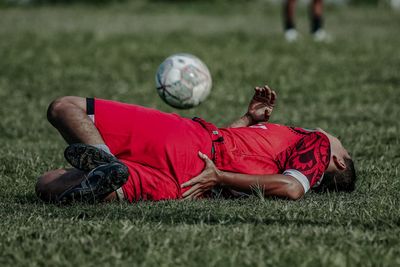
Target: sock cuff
289,25
316,23
103,147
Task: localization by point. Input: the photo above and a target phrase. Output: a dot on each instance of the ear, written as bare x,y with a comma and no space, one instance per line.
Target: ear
339,163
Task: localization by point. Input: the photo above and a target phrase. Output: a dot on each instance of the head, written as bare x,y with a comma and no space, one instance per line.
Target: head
340,174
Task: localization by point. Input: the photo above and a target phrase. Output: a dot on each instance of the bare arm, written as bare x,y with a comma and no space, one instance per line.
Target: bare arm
243,121
271,184
260,108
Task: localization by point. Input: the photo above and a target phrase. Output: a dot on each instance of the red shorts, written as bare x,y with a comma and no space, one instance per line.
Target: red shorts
160,149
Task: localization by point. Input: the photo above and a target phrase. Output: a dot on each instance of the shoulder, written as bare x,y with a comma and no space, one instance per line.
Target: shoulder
312,148
309,156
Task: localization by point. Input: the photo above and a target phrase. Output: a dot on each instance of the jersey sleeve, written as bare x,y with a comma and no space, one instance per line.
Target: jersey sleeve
307,160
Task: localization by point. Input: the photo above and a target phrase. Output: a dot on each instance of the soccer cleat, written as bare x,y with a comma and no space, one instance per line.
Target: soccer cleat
100,182
321,36
291,35
86,157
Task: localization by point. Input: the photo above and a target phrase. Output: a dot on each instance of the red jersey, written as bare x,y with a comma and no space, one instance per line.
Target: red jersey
272,148
160,149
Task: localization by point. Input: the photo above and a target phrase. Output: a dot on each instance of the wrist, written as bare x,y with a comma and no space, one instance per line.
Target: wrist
248,119
220,177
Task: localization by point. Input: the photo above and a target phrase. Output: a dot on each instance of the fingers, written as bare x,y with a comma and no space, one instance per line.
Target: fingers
191,182
271,92
206,159
197,196
202,156
191,191
266,93
257,91
273,97
209,163
194,195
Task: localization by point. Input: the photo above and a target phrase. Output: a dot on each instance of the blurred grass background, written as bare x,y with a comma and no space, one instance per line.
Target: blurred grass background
349,87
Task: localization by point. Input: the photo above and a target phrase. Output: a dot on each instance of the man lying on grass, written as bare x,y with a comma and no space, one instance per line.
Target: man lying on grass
122,151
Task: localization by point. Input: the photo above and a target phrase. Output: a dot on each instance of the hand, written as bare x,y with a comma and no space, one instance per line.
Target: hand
261,105
203,182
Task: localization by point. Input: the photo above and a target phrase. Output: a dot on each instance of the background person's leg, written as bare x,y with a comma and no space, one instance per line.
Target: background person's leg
316,15
288,20
319,34
288,14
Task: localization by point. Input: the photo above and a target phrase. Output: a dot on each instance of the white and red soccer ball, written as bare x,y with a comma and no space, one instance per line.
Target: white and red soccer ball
183,81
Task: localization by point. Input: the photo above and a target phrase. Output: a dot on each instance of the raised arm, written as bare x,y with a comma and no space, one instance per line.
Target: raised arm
260,108
278,185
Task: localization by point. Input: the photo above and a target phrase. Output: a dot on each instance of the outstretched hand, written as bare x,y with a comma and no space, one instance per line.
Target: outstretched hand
203,182
262,104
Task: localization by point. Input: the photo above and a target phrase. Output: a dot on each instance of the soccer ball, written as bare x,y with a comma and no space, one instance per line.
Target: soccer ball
183,81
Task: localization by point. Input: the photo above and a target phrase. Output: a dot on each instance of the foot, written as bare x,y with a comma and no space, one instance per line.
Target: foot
98,184
321,36
87,157
291,35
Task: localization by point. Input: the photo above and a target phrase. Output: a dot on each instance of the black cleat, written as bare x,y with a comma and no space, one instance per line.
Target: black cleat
100,182
87,157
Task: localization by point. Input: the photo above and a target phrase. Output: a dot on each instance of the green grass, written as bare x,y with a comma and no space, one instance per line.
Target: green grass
350,87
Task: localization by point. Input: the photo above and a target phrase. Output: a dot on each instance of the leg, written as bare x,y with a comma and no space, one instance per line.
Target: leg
291,34
53,183
288,14
68,115
316,15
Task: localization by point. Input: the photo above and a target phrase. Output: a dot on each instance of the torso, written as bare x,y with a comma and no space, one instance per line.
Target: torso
272,148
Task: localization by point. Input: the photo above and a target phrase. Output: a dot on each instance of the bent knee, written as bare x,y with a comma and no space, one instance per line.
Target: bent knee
42,189
295,191
45,187
58,107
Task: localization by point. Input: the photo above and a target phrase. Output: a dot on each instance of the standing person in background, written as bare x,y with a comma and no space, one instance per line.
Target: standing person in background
317,31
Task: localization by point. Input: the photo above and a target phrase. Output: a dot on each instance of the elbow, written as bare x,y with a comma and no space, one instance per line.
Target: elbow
295,191
295,195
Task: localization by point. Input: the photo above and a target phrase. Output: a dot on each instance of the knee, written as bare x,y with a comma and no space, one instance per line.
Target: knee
59,107
42,188
45,187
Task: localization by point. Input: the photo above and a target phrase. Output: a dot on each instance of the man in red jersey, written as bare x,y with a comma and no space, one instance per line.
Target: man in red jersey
122,151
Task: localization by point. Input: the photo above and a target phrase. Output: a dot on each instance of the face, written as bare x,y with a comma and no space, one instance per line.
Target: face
338,152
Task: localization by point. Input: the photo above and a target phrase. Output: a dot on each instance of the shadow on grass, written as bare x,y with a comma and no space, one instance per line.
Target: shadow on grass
29,199
219,212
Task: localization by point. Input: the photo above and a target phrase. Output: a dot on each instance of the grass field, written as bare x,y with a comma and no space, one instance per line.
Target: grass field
350,87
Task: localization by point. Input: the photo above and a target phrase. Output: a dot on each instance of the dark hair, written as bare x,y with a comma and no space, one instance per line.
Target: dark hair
344,180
